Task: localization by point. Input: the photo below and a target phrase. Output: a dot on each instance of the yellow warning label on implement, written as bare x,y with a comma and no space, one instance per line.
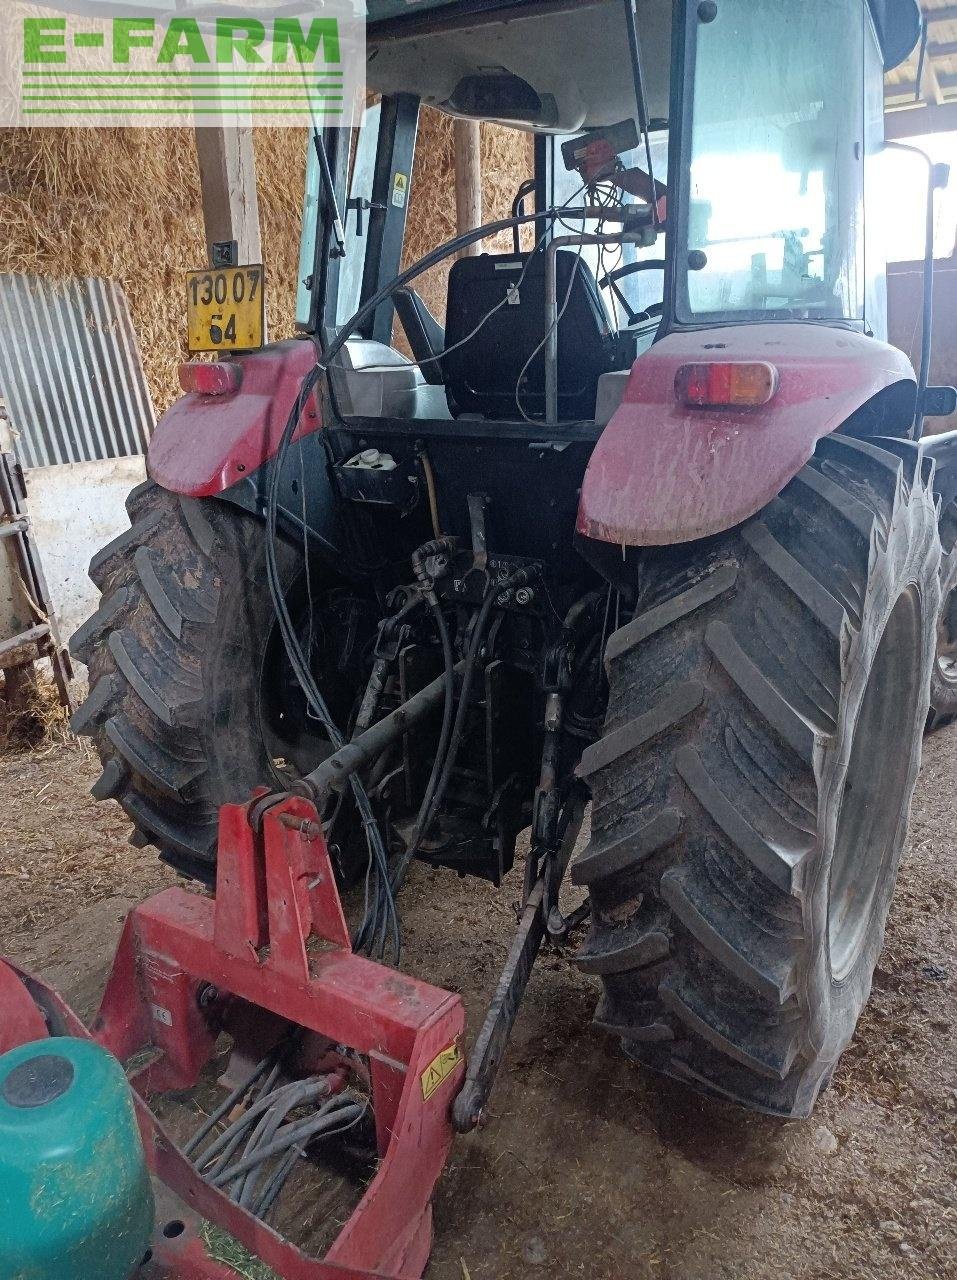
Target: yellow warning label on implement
439,1070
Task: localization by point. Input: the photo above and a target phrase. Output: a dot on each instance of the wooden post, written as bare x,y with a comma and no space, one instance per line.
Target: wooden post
227,171
468,180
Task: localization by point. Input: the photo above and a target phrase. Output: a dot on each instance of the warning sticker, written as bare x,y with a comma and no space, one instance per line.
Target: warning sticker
400,190
439,1070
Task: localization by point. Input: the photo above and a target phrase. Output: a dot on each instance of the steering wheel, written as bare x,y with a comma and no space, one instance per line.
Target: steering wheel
697,261
610,281
630,269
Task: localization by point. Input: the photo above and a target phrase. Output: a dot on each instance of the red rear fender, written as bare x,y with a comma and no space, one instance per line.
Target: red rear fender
663,473
205,444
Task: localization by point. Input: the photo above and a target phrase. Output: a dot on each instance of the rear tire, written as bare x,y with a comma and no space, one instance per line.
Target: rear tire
179,655
752,789
943,684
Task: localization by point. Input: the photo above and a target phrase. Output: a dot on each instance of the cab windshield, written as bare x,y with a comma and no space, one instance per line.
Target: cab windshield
777,150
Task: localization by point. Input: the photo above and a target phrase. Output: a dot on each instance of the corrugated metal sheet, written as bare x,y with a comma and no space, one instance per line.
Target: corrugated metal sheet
70,371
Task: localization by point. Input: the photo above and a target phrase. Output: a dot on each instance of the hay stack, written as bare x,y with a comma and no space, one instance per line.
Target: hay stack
125,203
507,160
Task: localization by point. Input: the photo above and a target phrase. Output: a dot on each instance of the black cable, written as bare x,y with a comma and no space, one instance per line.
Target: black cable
366,933
432,259
385,904
513,287
607,201
371,925
528,188
548,332
445,733
634,49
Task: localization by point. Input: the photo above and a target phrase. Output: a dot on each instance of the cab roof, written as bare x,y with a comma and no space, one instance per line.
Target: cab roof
551,66
898,22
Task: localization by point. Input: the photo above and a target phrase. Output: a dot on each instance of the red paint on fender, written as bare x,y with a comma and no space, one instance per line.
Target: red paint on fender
205,444
664,473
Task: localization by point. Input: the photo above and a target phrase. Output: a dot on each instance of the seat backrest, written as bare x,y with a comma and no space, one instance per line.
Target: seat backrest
482,375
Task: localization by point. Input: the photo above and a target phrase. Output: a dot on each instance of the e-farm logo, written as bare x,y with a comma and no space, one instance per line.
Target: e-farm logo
208,63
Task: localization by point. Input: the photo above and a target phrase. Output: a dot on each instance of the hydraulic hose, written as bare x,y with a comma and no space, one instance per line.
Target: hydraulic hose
264,1133
495,590
235,1131
277,1182
448,665
435,548
301,1132
446,731
224,1108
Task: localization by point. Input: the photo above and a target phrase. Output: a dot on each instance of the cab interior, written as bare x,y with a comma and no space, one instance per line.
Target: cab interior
476,358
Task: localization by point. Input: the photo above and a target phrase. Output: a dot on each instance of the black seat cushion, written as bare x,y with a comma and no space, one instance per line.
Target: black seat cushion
482,376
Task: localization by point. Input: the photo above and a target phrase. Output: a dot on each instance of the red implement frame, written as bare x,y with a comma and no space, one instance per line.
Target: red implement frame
275,938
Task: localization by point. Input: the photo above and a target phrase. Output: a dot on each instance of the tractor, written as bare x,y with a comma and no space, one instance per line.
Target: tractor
649,515
647,524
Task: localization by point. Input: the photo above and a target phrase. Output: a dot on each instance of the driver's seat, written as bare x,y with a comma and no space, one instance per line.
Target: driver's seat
496,311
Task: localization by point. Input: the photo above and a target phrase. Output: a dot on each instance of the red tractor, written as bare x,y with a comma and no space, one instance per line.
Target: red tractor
647,525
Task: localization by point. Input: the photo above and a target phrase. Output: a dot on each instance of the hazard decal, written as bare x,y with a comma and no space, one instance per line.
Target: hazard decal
439,1070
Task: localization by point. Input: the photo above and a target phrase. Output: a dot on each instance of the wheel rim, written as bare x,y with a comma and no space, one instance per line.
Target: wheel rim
874,788
947,641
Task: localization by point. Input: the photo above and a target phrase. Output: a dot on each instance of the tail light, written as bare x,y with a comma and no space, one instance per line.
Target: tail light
220,379
730,384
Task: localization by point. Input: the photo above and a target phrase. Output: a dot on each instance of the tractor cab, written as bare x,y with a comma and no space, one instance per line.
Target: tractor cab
691,165
468,339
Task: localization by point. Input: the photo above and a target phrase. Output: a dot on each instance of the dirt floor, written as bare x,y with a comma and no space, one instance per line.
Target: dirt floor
588,1166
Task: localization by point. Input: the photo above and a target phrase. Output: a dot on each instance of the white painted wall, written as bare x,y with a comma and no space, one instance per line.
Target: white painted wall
76,509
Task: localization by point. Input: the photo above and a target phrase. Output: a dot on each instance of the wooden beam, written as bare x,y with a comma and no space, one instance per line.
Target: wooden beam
918,121
468,180
931,86
946,13
227,171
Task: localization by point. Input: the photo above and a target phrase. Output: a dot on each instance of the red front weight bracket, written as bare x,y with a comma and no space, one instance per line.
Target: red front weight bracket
273,949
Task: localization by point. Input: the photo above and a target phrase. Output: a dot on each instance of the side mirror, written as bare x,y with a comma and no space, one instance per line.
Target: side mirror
939,402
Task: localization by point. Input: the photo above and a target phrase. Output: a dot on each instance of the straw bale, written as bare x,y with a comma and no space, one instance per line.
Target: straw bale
125,203
507,161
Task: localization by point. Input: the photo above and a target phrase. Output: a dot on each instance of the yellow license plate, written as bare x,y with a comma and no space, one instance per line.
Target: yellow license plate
226,309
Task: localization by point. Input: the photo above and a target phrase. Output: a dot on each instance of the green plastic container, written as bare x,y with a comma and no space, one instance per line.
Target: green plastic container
75,1195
